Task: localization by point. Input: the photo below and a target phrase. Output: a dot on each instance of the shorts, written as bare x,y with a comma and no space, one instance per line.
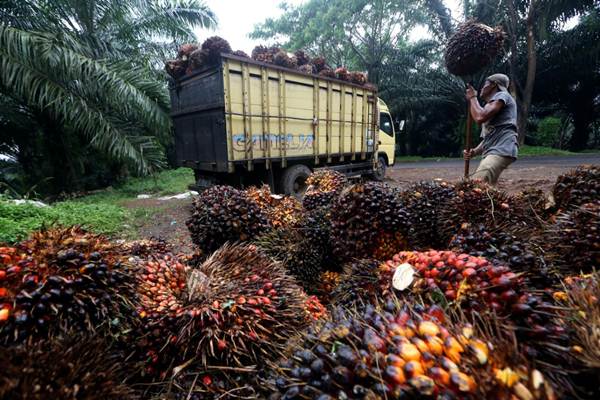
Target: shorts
491,167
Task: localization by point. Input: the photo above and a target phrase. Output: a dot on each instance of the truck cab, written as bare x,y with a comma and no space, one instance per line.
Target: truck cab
387,140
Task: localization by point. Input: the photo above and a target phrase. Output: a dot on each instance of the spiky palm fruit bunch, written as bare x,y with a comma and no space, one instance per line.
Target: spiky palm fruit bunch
534,200
73,368
323,186
281,211
282,59
362,213
520,255
328,281
295,252
572,243
307,69
577,187
58,280
144,247
301,57
176,68
319,63
342,74
375,354
214,46
472,47
477,203
237,308
359,78
314,308
223,214
264,54
198,59
185,50
327,73
424,202
359,283
240,53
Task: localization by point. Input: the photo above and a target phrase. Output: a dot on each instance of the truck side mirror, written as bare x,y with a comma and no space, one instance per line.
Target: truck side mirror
399,125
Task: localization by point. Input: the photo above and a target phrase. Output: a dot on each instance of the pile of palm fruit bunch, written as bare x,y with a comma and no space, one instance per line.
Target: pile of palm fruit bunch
281,211
195,57
323,187
397,353
577,187
472,47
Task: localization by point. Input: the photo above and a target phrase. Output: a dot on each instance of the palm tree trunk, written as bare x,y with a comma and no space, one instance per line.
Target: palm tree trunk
531,70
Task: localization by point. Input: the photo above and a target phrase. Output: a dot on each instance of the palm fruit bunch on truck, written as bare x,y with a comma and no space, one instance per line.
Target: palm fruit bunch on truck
361,215
323,187
72,368
237,308
223,214
58,280
401,353
472,47
577,187
192,57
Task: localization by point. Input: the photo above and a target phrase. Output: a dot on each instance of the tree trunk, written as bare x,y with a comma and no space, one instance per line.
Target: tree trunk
525,98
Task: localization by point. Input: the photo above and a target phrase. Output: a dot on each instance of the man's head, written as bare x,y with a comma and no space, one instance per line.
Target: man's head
494,83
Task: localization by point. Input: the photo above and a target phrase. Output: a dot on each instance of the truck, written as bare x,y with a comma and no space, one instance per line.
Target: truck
243,122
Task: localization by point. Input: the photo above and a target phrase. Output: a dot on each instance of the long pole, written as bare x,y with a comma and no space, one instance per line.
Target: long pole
468,137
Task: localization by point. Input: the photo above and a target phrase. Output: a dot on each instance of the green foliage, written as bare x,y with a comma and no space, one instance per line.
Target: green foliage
548,131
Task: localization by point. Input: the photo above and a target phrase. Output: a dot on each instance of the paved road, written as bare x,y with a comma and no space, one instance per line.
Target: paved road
554,161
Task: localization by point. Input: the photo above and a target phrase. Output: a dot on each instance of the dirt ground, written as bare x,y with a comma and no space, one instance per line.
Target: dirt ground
168,222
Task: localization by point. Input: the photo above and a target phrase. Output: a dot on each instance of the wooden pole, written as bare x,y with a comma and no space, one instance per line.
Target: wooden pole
468,136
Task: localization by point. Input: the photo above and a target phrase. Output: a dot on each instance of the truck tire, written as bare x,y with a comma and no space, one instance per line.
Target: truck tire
293,180
379,173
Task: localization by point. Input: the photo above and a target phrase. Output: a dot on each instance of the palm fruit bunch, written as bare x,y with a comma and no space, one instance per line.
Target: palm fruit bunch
534,201
301,58
342,74
176,68
375,354
214,46
185,50
327,73
359,283
323,186
58,280
358,78
577,187
506,248
477,203
144,247
325,288
572,242
223,214
319,63
307,69
236,308
361,214
295,252
198,59
314,308
472,47
71,368
282,59
424,201
265,54
281,211
240,53
315,227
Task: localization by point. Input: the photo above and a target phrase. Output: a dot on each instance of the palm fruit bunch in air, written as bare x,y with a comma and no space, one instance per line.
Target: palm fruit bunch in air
282,59
323,186
577,187
424,201
361,214
477,203
301,58
58,280
506,248
342,74
223,214
295,252
237,308
359,283
71,368
281,211
375,354
358,78
472,47
572,242
214,46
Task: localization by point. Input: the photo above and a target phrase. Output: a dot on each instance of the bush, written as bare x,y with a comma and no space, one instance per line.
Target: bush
548,132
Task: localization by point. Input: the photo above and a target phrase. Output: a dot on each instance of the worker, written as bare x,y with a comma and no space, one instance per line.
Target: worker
498,120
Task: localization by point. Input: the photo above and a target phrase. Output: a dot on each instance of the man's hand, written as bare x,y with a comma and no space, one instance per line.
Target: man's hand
471,92
468,154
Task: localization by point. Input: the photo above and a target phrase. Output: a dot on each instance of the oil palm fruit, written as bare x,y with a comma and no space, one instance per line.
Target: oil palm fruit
359,283
342,74
281,211
264,54
577,187
534,200
222,214
361,214
572,242
319,63
240,53
282,59
237,308
58,280
214,46
307,69
302,58
394,354
72,368
323,186
185,50
176,68
328,282
424,201
358,78
327,73
198,59
296,254
472,47
144,247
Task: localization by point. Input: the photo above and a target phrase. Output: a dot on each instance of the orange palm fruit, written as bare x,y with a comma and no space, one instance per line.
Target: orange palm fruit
428,328
413,368
410,352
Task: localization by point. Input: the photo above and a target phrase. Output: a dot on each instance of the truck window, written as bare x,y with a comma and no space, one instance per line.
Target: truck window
385,123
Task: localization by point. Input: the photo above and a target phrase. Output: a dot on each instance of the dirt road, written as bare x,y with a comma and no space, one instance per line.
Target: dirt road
540,171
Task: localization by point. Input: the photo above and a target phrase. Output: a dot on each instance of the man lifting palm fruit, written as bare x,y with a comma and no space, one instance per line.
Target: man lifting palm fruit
499,145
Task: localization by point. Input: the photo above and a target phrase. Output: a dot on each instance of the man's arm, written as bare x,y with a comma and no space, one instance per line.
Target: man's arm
482,114
473,152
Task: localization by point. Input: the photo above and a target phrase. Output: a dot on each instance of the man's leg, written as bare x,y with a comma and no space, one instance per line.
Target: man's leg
491,167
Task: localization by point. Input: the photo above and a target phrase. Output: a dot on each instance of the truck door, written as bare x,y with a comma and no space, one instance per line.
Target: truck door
387,138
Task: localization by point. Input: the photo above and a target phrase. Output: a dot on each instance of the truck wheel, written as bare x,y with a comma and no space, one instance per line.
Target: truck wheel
381,168
293,180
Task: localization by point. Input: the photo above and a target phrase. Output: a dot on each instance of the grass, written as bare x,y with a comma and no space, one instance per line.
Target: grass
102,212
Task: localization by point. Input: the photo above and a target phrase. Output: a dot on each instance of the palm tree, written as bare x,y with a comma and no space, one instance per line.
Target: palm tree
88,68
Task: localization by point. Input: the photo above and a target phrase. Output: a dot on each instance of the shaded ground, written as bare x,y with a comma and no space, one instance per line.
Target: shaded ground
166,219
